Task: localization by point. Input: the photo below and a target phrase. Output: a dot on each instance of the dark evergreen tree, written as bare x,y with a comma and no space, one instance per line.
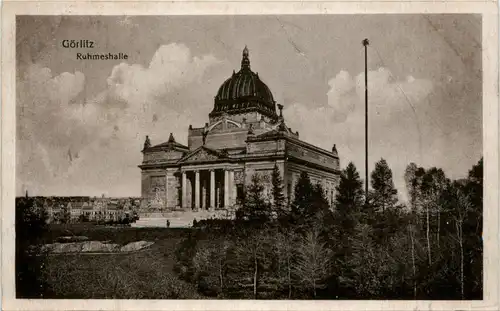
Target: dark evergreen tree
384,194
255,208
383,198
319,196
277,193
349,200
310,205
303,196
350,192
320,206
348,204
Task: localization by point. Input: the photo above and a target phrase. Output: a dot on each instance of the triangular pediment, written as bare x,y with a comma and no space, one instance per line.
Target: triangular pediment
202,154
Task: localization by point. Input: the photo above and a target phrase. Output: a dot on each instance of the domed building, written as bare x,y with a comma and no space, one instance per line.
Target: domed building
244,135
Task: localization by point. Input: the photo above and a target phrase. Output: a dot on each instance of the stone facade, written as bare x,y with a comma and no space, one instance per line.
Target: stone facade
244,136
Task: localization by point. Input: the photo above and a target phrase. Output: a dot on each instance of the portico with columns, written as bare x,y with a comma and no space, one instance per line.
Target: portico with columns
206,187
244,135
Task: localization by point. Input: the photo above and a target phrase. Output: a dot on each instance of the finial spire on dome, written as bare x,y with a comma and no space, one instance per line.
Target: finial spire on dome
245,61
171,138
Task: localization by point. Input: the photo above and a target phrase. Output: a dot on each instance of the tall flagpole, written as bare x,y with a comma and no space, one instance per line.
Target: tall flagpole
366,43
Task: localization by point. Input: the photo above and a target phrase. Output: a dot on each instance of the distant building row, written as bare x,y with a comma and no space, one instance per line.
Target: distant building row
74,209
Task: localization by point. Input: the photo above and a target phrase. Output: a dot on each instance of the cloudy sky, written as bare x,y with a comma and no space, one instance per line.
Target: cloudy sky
81,123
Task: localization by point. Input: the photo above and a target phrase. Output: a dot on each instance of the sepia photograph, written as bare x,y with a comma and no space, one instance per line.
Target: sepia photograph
249,157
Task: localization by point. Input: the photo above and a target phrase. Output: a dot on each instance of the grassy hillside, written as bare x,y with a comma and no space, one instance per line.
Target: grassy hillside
144,274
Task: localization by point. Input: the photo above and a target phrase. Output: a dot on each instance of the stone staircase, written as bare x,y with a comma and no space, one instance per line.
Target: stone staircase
178,219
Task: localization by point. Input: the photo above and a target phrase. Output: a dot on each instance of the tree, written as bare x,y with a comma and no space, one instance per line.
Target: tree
426,189
284,249
30,260
465,212
461,207
277,192
473,226
411,231
410,182
414,176
65,214
185,253
384,195
312,265
348,204
309,202
361,269
475,183
255,208
303,194
319,207
412,179
250,260
349,198
210,264
83,218
319,197
434,185
474,189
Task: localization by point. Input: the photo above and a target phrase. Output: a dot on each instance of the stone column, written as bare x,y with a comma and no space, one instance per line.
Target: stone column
226,188
231,188
217,196
212,189
168,193
292,193
184,190
204,194
197,190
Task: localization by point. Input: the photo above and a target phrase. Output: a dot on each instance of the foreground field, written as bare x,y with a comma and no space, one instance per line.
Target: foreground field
144,274
119,235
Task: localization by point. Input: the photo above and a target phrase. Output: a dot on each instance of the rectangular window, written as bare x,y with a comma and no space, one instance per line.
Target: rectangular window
240,193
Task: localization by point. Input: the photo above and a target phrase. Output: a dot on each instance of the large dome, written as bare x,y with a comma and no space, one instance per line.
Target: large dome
244,92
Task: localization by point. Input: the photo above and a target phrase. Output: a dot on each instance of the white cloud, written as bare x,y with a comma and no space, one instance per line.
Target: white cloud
170,67
340,95
393,133
43,124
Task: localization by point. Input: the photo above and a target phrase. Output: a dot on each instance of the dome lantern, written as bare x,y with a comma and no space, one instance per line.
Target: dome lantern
244,92
245,61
